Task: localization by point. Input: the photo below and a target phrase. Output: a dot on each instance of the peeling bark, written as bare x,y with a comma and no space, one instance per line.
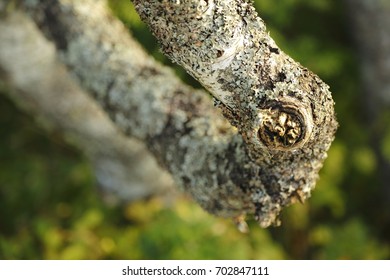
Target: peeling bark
283,112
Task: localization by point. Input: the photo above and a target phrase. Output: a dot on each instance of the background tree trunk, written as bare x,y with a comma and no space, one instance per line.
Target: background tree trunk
370,21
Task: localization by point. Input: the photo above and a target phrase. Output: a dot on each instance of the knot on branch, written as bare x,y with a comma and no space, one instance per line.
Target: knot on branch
284,126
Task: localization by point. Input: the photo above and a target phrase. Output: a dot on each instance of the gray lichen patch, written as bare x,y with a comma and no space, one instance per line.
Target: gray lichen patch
283,111
271,157
225,45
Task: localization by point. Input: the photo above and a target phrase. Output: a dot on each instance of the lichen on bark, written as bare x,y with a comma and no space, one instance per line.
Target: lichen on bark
283,113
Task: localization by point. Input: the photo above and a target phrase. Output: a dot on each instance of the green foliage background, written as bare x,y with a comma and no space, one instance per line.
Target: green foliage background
50,208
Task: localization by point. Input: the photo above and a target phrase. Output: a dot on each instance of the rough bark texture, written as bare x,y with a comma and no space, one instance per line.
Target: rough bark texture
276,104
283,112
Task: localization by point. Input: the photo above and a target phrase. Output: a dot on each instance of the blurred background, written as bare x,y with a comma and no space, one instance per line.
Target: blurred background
50,207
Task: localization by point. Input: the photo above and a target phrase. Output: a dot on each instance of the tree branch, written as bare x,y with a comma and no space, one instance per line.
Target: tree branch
276,104
42,86
283,111
225,175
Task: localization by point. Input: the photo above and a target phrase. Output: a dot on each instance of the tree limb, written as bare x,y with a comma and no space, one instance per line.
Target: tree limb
225,175
43,87
283,111
276,104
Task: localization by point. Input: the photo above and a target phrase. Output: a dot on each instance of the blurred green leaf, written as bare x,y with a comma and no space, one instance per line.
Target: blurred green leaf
352,241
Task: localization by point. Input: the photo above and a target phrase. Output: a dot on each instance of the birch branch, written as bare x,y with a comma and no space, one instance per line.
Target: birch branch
283,112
